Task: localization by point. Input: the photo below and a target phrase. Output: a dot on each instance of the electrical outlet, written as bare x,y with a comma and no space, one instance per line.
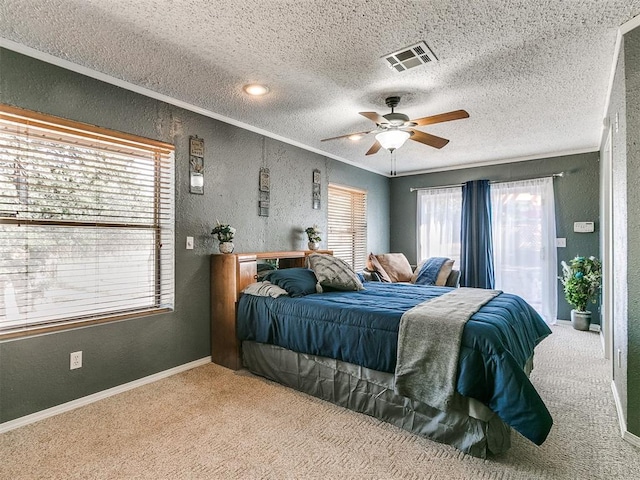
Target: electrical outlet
561,242
75,360
189,243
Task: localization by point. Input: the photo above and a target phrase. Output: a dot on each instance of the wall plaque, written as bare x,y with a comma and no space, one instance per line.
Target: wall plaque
264,188
316,189
196,165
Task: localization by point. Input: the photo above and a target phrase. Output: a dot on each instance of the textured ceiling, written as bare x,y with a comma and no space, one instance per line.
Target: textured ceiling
533,75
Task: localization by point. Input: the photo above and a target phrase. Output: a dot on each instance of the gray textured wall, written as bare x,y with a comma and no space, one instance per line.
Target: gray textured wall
576,199
34,371
624,117
377,188
632,79
617,107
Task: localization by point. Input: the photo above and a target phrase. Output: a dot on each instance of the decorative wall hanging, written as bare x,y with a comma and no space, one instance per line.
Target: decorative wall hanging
316,189
264,188
196,165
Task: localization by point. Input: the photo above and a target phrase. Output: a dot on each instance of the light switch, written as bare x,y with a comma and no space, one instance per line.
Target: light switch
189,243
561,242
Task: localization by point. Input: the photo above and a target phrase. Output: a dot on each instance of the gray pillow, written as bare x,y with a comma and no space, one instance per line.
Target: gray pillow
333,272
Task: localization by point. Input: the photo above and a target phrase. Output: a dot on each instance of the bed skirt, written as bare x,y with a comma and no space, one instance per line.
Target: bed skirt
471,427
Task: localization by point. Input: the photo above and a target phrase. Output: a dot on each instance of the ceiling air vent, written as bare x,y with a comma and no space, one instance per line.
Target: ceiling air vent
410,57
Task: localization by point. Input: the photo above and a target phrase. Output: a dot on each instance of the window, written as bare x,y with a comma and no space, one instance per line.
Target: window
86,223
347,217
439,217
524,242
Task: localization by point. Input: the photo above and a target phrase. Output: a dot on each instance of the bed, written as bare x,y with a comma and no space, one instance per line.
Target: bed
342,346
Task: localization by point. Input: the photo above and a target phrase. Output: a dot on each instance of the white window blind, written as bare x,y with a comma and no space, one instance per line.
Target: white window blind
347,217
86,223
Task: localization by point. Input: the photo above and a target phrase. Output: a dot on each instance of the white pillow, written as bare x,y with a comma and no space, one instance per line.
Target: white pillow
264,289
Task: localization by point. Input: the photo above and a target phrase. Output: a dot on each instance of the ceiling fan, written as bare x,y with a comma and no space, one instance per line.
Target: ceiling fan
393,129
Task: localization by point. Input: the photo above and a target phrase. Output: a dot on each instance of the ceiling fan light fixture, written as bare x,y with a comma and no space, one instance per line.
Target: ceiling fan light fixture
392,139
256,90
355,137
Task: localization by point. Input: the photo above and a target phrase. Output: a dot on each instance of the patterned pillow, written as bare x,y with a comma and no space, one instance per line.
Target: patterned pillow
333,272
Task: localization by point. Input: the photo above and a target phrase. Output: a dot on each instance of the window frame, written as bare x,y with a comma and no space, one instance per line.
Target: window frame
163,225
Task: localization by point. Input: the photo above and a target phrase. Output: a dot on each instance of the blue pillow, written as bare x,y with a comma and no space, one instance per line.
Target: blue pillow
298,282
428,273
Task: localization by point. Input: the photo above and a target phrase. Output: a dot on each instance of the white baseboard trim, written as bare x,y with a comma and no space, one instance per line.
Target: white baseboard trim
631,438
593,327
621,418
626,435
81,402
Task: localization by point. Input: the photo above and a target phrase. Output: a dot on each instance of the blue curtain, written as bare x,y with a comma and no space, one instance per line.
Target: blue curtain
476,256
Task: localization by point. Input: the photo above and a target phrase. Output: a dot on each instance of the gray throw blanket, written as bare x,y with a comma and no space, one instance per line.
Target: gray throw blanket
429,345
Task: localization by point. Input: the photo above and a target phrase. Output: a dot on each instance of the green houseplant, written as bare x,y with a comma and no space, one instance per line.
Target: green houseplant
225,235
313,234
581,280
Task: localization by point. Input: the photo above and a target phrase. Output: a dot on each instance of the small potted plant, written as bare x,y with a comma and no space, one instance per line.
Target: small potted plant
225,235
313,233
581,280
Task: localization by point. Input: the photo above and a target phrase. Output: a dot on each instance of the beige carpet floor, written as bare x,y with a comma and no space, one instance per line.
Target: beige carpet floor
211,423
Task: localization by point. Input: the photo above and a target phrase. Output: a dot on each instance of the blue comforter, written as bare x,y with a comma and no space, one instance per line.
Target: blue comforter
362,328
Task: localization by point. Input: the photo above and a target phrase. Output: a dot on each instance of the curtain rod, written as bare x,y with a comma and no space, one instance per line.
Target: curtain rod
553,175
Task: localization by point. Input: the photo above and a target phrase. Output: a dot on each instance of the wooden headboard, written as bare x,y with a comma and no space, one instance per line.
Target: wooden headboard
230,274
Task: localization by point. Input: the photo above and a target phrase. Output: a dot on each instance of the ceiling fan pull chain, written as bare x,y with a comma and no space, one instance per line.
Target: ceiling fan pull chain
393,163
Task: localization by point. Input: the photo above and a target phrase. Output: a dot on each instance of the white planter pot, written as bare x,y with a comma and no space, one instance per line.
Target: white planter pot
226,247
580,320
313,245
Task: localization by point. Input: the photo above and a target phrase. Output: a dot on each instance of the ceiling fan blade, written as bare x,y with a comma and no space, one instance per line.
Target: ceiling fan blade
427,139
374,117
374,148
443,117
347,135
